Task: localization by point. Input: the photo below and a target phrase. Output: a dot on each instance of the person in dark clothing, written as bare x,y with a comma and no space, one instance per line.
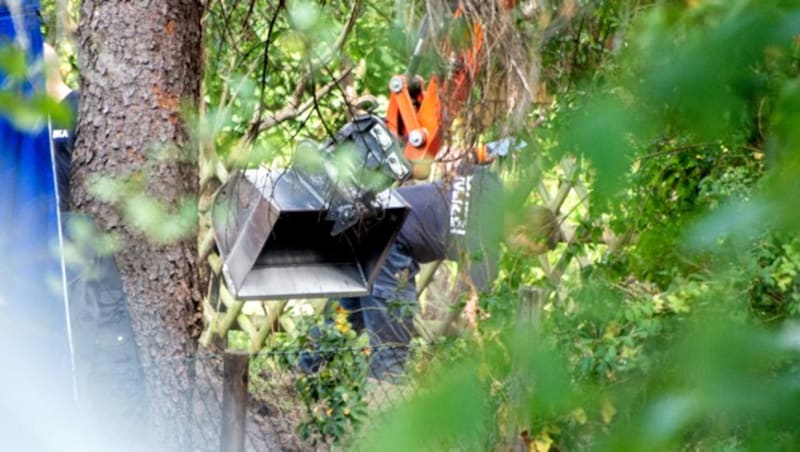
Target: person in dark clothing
62,135
109,378
456,220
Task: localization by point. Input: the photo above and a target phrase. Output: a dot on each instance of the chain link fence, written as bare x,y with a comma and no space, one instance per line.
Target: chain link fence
298,399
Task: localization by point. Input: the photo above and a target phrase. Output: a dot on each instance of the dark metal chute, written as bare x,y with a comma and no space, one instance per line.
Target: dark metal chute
275,237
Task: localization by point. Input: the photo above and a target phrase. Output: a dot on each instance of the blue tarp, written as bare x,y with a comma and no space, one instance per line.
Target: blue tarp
33,306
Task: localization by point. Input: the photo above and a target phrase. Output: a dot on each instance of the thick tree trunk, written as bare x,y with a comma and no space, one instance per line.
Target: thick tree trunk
140,62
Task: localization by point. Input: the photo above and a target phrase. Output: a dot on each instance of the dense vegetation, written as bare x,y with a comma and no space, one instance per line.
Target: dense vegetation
678,330
681,334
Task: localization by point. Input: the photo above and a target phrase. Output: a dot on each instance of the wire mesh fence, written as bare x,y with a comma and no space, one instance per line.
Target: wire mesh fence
297,399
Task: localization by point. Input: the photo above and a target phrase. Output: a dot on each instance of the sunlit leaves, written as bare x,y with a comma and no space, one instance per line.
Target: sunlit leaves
301,59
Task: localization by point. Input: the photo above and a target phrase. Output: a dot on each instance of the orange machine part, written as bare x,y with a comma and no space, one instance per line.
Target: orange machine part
456,89
425,112
482,155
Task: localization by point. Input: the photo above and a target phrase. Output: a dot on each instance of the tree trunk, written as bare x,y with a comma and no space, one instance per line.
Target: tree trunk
140,62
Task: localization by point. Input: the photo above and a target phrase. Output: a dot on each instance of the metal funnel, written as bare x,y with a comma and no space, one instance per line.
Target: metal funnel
271,230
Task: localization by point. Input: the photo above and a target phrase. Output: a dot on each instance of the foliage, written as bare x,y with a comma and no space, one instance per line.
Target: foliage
279,60
59,27
680,336
334,364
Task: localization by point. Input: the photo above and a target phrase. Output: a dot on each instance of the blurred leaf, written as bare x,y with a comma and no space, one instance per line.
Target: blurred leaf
603,131
304,15
13,62
450,412
608,411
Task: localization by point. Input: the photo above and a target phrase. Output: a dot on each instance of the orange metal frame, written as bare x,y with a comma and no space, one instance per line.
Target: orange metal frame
419,119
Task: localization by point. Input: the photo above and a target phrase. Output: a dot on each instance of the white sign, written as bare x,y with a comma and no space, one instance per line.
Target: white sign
459,204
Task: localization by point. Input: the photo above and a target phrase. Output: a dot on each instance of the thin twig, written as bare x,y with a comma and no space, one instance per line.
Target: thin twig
325,60
294,108
292,111
315,98
254,127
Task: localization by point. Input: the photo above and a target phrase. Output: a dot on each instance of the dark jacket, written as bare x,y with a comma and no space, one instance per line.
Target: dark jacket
459,219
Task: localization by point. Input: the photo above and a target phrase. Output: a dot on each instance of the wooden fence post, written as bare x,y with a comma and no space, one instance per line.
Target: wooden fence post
234,401
531,305
529,317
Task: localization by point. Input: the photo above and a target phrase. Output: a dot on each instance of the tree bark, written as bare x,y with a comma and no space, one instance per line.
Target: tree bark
140,63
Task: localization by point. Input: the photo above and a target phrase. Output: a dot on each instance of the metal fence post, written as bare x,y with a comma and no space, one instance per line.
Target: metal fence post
234,401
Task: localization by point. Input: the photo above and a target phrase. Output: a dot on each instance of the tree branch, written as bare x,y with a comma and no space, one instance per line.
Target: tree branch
292,110
337,47
263,85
